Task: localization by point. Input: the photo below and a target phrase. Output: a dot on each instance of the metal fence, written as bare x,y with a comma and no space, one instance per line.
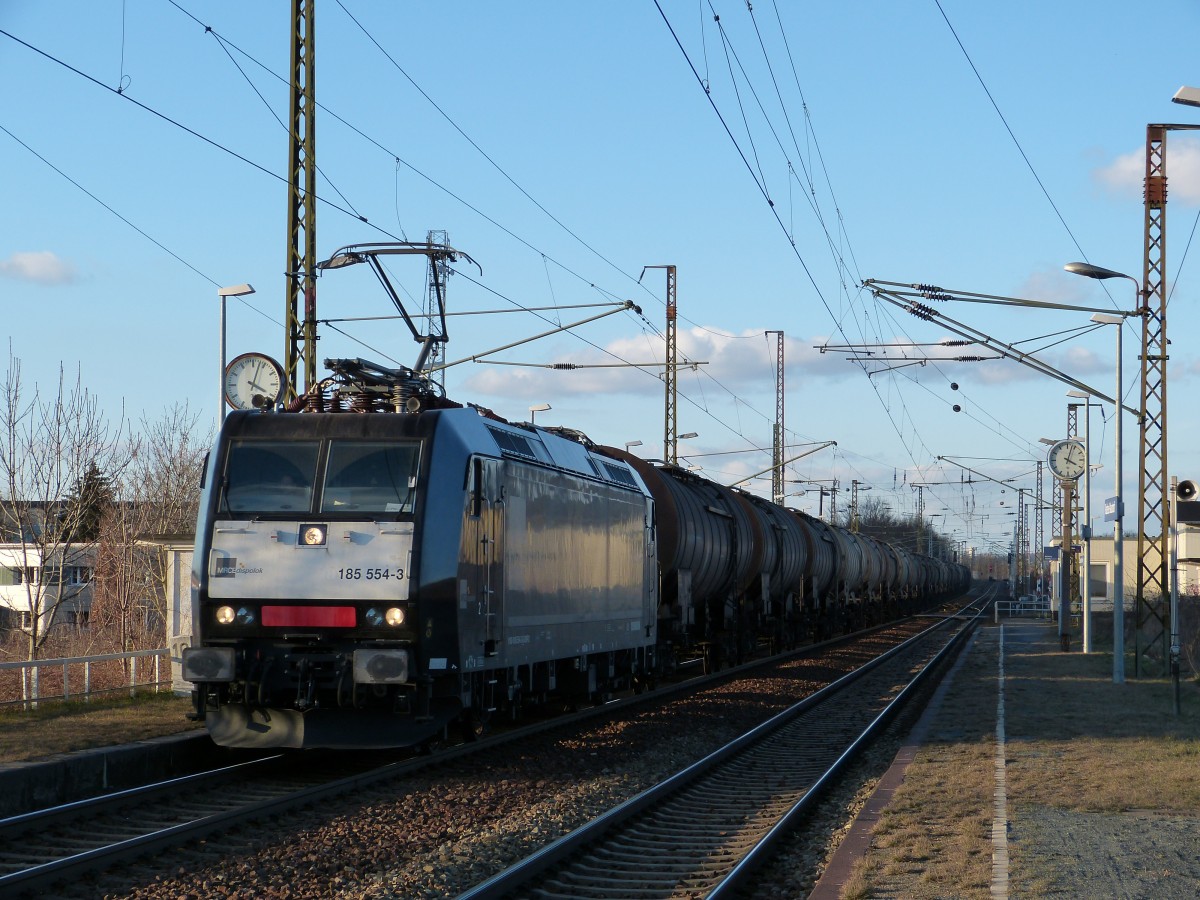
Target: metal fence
83,677
1026,607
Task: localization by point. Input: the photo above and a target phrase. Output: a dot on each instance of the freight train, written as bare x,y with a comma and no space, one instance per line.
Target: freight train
384,562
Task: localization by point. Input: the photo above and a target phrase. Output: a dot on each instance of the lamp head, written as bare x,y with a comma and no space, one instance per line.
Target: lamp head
1087,270
1188,96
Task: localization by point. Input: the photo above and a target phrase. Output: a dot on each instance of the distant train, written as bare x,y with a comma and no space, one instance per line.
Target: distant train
383,562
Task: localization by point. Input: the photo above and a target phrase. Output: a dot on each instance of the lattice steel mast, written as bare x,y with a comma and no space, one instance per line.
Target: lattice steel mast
670,404
1153,512
435,300
301,271
777,441
1071,519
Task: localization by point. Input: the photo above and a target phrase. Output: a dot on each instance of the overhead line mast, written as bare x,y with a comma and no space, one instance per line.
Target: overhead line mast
671,404
301,271
777,494
1154,515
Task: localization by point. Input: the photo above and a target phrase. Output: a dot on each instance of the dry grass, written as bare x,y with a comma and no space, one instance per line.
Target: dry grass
63,727
1077,745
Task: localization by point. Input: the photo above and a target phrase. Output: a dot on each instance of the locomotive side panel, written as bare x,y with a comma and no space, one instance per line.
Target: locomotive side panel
551,566
574,554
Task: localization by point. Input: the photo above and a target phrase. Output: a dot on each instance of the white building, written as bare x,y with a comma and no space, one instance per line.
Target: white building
1102,569
30,586
178,588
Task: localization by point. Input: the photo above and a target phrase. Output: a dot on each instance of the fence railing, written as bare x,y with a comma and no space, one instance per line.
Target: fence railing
1039,608
81,668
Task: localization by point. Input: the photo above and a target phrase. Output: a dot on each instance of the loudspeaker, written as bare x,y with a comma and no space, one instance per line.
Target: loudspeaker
1187,508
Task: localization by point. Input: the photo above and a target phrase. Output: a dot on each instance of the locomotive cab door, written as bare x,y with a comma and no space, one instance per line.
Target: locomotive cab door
481,582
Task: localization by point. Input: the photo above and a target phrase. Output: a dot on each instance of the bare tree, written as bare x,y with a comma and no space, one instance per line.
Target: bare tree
121,576
47,446
160,494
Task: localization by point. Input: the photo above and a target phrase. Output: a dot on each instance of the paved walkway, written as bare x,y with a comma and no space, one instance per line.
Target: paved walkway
1061,700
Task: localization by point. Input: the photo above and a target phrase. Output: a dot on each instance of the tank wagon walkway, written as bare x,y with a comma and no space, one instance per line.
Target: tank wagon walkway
1034,775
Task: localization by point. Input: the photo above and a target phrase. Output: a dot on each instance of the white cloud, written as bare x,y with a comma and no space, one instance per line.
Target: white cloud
40,267
743,363
1125,175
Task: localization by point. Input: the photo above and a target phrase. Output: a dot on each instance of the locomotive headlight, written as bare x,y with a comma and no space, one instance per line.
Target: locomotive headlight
243,615
376,617
312,535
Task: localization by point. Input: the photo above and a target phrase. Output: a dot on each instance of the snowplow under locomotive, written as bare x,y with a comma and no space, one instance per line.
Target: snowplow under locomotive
363,577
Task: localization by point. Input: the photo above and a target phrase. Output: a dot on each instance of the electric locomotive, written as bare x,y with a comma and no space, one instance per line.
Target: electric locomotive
364,579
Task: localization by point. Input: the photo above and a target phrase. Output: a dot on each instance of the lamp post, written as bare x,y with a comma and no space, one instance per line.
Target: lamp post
1089,271
237,290
629,445
534,410
929,537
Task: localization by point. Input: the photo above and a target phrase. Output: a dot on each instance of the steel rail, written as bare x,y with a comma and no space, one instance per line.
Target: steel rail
519,876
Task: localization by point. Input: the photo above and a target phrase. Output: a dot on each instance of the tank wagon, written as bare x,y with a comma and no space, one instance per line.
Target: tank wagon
368,571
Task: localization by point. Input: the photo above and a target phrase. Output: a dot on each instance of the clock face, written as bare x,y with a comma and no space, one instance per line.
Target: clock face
253,381
1067,460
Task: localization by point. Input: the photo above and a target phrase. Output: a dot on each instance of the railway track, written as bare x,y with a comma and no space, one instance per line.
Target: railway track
44,847
702,832
56,846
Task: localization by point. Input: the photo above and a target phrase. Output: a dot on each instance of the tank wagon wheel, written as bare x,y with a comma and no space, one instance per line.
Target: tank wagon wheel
474,723
432,744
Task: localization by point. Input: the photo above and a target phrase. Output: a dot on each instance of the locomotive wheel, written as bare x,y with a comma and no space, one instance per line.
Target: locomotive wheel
432,744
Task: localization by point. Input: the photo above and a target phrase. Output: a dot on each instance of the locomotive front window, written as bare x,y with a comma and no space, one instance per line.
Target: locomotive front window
370,477
269,476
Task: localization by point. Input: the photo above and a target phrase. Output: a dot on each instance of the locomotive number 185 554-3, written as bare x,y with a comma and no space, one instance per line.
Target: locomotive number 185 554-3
370,574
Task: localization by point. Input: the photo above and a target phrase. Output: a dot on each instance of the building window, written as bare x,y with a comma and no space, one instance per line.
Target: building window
26,620
12,575
76,575
80,619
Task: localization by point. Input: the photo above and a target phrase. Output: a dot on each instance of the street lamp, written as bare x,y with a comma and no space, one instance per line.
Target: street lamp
1188,96
690,434
534,410
1089,271
630,444
237,290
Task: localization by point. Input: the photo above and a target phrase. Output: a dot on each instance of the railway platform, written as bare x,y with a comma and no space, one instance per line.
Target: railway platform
1033,774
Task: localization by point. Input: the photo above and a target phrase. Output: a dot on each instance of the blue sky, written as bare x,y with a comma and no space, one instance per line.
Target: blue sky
886,152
